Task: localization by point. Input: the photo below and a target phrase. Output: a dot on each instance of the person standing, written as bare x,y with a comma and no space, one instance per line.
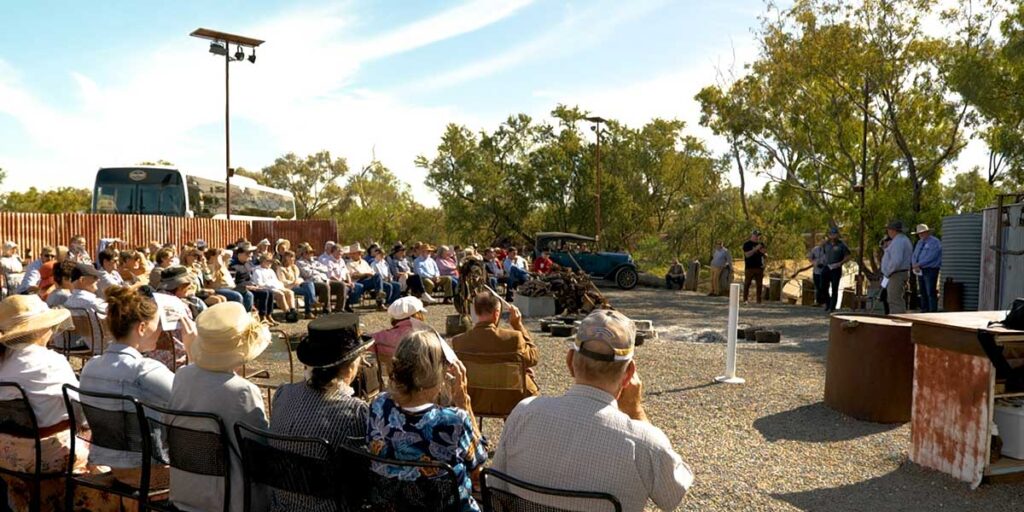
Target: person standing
926,262
896,261
835,254
754,253
816,256
721,260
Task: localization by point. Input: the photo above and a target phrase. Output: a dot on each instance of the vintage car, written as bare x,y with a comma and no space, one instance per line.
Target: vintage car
574,251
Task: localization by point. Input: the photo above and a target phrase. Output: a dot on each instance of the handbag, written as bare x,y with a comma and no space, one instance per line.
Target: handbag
1015,317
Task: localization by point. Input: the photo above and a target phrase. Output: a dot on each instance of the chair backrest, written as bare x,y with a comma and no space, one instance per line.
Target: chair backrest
87,325
370,380
16,415
506,496
203,450
296,465
494,371
419,486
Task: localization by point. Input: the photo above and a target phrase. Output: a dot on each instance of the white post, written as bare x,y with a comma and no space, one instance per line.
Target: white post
730,348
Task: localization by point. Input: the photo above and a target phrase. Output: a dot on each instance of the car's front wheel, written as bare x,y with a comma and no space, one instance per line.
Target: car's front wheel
626,278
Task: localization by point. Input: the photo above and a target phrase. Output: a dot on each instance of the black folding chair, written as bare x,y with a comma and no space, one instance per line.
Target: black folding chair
90,330
505,500
18,419
301,468
435,488
123,428
192,448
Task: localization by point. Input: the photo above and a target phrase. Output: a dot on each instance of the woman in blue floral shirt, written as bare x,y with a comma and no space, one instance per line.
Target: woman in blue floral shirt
407,424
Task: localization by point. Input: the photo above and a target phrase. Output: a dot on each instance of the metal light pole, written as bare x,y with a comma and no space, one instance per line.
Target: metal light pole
227,40
597,176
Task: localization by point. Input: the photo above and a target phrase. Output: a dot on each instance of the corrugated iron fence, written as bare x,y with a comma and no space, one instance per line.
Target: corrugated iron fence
35,230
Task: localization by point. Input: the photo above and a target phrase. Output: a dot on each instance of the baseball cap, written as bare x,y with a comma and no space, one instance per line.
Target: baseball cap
833,230
609,327
895,226
405,307
10,245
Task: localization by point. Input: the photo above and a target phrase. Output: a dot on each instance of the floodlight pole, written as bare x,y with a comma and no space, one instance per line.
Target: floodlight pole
239,42
597,177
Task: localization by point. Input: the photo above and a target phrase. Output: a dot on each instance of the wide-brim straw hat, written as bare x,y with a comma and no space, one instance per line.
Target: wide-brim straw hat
24,315
922,228
227,338
354,248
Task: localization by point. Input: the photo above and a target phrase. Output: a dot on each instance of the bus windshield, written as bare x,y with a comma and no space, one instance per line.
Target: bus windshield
139,190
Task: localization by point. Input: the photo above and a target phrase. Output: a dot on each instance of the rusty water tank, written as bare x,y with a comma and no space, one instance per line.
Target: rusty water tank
869,372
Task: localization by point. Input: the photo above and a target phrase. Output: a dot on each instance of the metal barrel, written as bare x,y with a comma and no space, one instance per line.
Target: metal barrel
869,372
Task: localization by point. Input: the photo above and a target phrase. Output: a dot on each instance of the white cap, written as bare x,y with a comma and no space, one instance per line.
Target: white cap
405,307
10,245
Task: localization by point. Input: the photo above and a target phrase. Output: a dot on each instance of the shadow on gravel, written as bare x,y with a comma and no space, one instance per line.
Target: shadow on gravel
816,423
909,487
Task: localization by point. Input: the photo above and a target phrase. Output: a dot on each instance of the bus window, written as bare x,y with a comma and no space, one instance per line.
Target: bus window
115,198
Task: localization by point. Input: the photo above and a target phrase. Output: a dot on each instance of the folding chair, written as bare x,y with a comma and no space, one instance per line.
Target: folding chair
301,468
124,429
438,492
370,379
18,419
505,500
496,374
203,451
70,343
89,328
265,374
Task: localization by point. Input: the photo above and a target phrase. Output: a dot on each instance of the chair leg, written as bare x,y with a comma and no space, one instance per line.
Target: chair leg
35,502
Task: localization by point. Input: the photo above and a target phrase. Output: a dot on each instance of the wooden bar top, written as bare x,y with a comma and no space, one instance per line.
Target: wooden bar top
958,331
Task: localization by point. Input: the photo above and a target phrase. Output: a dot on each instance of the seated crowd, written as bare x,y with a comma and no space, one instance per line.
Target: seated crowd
178,329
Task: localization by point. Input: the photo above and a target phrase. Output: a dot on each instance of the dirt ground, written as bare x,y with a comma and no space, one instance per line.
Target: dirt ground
769,444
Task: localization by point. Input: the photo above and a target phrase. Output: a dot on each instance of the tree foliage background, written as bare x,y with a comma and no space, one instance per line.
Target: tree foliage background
851,112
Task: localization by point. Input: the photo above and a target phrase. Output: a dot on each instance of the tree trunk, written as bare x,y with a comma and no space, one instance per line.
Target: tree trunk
743,181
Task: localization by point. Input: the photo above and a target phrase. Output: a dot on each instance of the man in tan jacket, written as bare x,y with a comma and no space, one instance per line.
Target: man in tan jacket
485,344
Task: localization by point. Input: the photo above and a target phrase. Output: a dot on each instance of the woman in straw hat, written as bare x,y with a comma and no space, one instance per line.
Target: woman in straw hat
228,337
323,406
26,326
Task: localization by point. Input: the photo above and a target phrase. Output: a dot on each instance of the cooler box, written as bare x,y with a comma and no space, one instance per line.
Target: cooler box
1009,416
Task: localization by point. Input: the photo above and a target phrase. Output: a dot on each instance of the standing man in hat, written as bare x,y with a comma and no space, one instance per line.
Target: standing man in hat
835,254
896,261
754,253
927,261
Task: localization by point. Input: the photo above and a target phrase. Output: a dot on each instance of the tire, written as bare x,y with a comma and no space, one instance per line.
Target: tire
626,278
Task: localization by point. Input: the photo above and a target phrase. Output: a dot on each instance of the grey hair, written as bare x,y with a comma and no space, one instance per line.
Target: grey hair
418,363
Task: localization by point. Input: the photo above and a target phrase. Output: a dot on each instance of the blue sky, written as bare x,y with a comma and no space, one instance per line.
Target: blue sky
90,84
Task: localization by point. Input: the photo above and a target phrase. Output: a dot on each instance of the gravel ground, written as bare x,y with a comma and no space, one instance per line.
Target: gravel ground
769,444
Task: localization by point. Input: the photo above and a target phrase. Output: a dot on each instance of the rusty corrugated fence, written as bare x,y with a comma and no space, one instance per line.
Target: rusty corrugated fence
35,230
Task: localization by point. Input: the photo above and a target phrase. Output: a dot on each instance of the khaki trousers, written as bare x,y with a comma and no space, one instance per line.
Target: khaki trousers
716,278
896,288
443,282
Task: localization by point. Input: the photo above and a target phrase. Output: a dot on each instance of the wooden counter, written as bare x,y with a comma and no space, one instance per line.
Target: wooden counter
954,394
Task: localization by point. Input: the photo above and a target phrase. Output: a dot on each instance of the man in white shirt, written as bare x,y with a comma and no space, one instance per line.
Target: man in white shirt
390,285
109,276
598,424
11,267
515,269
337,270
84,280
30,282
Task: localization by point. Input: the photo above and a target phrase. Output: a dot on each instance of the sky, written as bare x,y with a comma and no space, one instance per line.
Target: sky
85,85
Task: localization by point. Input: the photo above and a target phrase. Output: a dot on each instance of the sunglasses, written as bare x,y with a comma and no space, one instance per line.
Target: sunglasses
48,256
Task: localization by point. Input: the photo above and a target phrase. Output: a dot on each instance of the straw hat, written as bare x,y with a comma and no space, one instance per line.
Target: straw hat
228,337
23,315
922,228
354,248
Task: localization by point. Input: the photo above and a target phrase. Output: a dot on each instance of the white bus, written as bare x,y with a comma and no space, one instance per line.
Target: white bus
166,191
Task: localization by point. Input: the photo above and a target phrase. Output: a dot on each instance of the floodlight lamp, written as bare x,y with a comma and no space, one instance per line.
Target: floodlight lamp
252,58
239,54
218,49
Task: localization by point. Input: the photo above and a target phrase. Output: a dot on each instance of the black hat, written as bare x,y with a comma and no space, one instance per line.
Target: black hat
171,278
84,270
895,225
332,340
397,247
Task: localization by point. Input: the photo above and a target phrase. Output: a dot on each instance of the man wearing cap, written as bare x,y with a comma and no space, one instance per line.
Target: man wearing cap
403,313
595,437
430,275
496,345
926,262
835,254
754,253
896,262
84,279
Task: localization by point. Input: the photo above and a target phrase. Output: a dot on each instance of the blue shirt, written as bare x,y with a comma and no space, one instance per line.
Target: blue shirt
928,253
122,370
427,267
442,434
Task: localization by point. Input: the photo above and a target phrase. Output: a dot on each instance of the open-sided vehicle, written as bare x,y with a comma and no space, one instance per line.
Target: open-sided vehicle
575,251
